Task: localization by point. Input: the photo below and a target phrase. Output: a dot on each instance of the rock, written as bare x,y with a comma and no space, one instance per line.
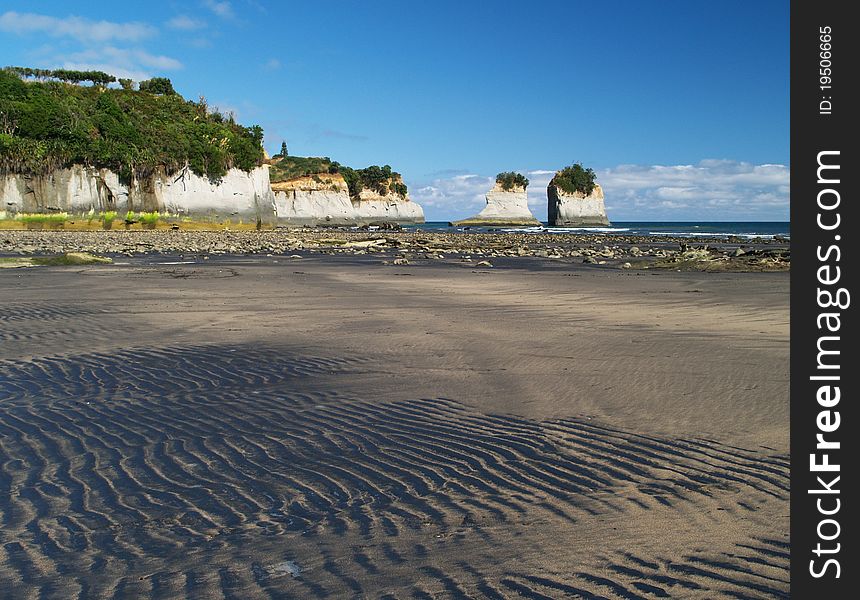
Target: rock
589,260
401,261
627,265
695,254
576,209
739,252
81,190
484,263
366,243
505,208
324,199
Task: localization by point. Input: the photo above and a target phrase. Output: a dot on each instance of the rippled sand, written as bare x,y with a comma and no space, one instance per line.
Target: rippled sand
246,428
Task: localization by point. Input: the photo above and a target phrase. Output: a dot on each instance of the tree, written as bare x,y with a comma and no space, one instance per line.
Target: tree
127,84
157,85
575,179
284,149
46,126
511,179
99,78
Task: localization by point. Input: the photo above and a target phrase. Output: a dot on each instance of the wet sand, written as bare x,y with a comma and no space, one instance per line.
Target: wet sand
263,427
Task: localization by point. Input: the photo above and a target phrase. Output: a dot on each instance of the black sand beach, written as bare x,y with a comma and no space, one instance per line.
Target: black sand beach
332,427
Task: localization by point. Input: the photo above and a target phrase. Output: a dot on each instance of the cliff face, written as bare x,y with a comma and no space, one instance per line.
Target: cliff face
313,200
577,209
239,197
504,208
372,207
324,199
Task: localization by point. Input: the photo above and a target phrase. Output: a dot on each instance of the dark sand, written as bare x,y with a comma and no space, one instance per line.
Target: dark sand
326,427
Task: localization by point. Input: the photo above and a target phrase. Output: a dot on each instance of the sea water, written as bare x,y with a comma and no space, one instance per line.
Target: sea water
716,229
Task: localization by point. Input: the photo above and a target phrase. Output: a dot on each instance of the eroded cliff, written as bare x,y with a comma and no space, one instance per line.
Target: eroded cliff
324,199
238,197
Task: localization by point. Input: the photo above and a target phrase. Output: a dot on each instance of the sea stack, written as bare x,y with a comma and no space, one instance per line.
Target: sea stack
507,205
575,199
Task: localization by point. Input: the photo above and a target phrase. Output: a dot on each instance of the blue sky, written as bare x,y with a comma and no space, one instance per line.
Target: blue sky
682,108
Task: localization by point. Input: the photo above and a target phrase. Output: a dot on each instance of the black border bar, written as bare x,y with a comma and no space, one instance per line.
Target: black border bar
824,222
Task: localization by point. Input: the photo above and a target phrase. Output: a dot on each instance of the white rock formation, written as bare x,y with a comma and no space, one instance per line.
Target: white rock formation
504,207
577,209
309,201
372,207
239,197
324,200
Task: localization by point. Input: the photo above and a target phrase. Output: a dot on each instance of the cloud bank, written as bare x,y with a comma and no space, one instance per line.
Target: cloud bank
85,44
79,28
712,190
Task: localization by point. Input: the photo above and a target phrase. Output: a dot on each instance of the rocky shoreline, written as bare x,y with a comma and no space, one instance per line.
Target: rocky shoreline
410,247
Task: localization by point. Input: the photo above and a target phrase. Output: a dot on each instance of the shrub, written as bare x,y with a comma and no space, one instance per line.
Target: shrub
47,125
157,85
108,217
40,220
574,179
149,219
511,179
382,179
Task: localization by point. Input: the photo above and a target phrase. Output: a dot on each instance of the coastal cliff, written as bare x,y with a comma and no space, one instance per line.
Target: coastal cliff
373,207
505,207
113,153
335,195
238,197
575,208
313,200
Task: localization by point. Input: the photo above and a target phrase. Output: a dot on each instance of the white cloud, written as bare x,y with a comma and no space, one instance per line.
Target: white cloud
709,190
127,58
185,23
79,28
222,9
112,69
133,63
713,189
454,197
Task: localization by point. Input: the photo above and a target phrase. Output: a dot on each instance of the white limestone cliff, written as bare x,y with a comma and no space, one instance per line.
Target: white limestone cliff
503,208
577,209
239,196
313,200
324,199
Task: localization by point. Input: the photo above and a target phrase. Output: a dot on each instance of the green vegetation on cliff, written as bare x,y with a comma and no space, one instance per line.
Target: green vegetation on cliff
574,179
46,125
511,179
381,180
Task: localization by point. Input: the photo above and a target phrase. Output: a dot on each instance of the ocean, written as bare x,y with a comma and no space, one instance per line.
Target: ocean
716,229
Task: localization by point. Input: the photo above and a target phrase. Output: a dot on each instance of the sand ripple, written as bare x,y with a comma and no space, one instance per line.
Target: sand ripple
202,471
